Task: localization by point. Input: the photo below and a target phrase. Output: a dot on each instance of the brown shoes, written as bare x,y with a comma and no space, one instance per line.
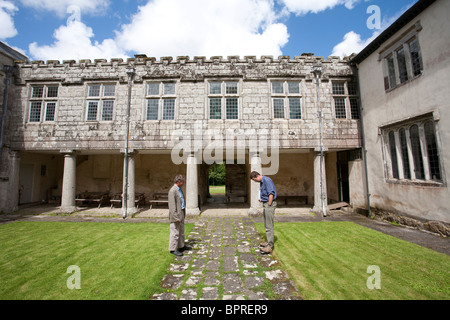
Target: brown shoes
266,250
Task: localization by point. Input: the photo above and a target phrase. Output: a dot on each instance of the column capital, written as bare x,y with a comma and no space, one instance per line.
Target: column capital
131,152
67,151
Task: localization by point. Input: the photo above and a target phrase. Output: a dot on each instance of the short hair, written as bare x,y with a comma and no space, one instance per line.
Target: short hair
178,178
254,174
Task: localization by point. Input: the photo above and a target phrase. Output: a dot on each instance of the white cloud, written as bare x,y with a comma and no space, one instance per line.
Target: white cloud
204,27
60,6
352,43
73,41
7,28
302,7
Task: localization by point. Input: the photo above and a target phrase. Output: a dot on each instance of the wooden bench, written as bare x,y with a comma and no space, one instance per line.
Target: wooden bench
88,197
159,197
302,199
139,198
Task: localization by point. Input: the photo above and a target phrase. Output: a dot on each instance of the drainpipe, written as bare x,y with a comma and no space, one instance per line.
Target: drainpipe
317,71
8,71
130,72
363,139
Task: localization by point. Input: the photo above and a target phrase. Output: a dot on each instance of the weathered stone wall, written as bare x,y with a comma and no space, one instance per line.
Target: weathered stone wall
70,130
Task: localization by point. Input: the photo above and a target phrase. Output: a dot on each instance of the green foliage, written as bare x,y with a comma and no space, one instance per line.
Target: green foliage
217,174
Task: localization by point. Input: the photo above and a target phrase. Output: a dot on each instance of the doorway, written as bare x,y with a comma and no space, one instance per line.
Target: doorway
342,174
26,183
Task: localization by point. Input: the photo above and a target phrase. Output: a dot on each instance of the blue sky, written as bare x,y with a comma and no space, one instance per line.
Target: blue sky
91,29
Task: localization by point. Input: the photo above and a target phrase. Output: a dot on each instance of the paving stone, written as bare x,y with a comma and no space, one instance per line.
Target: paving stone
213,265
232,283
229,250
199,263
268,262
210,293
193,281
230,263
189,294
164,296
233,297
178,267
248,261
284,288
211,281
172,281
251,282
276,275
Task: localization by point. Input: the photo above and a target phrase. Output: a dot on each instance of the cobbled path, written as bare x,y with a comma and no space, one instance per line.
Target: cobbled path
225,264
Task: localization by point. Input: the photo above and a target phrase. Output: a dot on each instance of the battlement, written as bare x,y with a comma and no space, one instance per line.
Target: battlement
142,59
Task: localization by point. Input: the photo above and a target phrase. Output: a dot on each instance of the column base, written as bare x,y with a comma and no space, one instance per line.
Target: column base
130,212
318,210
255,212
68,209
193,212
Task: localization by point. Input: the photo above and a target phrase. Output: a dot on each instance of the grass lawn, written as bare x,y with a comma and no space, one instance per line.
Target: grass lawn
217,189
116,260
329,260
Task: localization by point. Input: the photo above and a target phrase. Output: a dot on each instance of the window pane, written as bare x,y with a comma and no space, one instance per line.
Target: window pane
339,105
402,65
393,151
152,109
109,90
433,154
232,108
405,158
215,88
278,108
294,87
354,109
415,57
107,112
215,108
168,109
92,111
338,88
277,87
295,110
417,152
35,111
153,89
50,111
231,87
169,88
352,88
94,91
52,92
37,92
391,72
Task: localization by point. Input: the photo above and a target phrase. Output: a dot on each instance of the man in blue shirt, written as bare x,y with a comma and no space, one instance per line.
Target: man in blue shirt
268,194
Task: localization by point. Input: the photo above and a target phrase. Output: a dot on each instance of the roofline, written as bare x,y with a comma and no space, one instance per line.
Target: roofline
407,17
12,53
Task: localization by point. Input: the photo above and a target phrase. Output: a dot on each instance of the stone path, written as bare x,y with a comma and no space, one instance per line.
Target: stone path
225,264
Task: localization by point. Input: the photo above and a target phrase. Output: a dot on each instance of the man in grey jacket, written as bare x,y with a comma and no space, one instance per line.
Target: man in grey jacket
176,217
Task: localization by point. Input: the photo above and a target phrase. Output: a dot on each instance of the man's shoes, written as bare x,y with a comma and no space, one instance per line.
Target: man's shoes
266,250
264,244
176,253
185,248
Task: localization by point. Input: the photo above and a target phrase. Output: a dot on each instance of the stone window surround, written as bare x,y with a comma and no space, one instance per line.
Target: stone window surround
406,124
349,96
223,95
286,95
45,100
100,99
391,52
161,96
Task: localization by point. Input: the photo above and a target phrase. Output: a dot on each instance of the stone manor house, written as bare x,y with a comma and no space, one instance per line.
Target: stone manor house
384,124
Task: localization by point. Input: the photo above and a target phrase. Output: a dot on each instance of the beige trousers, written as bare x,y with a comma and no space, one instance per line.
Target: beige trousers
176,235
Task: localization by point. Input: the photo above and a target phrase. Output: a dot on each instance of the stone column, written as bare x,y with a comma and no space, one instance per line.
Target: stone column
255,204
318,180
69,182
192,186
14,179
130,205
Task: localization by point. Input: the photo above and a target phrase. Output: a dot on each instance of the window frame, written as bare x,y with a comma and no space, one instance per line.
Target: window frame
162,97
222,92
286,96
395,73
43,99
414,162
349,94
100,100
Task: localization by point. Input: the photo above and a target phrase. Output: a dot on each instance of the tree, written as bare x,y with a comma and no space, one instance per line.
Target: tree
216,174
